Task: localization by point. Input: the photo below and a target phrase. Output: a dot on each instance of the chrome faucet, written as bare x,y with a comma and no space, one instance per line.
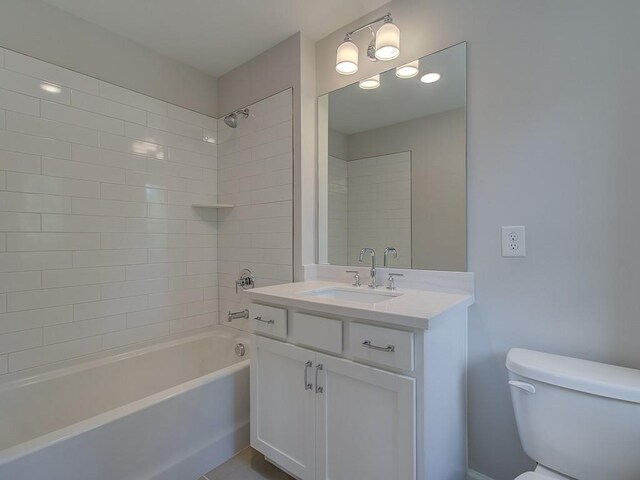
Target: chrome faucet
372,273
391,284
387,251
356,277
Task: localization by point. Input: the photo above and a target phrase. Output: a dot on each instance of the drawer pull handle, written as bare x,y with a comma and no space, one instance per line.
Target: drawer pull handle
388,348
307,385
319,389
259,319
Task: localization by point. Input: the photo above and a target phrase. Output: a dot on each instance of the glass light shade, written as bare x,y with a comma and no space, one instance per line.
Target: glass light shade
370,83
408,70
430,77
347,58
387,42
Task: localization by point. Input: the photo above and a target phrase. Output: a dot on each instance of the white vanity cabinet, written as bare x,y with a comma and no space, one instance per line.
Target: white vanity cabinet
323,417
344,393
365,422
283,405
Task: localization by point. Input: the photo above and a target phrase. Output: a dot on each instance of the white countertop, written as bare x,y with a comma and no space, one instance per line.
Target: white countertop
412,308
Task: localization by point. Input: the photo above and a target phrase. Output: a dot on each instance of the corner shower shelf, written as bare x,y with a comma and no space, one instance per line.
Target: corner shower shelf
215,205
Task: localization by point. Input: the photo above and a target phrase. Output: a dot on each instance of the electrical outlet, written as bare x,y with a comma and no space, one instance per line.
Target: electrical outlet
513,241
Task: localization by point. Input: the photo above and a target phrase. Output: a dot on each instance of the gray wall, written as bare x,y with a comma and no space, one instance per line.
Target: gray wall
338,145
45,32
290,64
553,113
272,71
438,183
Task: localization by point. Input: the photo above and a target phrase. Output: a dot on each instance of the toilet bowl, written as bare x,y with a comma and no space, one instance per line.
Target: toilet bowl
579,420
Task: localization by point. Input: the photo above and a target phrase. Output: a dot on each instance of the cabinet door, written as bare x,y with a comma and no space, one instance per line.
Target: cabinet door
283,405
365,423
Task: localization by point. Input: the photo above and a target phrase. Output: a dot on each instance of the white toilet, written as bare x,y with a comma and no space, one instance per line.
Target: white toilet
577,419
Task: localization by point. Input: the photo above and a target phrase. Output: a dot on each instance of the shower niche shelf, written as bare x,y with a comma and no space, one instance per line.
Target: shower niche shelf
213,205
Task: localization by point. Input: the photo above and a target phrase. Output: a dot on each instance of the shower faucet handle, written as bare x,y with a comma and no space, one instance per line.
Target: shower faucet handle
246,280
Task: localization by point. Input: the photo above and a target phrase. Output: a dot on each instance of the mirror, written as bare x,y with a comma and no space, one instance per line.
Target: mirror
392,167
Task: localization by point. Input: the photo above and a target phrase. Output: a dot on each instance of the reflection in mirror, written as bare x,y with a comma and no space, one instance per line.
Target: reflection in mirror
392,167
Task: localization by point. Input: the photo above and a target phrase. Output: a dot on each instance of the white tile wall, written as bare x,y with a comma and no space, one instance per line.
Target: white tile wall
338,211
107,108
19,162
27,85
255,173
99,245
44,71
379,193
16,102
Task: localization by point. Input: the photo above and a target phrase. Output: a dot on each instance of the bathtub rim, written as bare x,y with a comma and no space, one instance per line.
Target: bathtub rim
71,365
48,439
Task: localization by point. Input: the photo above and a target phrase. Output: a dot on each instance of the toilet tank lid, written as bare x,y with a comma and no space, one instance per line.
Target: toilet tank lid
582,375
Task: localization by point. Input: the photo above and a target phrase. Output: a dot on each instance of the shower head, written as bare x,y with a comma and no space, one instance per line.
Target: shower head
232,118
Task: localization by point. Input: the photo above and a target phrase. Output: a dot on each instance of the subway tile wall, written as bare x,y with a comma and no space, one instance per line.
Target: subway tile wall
338,211
255,173
99,244
379,207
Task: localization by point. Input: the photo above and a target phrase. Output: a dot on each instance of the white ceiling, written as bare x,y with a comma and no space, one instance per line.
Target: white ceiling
353,110
216,36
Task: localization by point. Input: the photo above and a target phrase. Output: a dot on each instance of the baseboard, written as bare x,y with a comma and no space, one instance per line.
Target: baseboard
473,475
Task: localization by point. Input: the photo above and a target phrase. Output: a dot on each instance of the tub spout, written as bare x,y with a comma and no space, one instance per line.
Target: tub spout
236,315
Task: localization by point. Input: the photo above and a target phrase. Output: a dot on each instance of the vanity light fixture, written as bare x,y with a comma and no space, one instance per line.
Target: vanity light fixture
430,77
50,87
384,45
370,83
408,70
347,57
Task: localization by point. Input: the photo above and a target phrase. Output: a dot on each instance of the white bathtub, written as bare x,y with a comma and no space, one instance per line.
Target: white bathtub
170,411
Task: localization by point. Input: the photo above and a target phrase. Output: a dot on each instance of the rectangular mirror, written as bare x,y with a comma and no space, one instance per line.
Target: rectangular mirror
392,167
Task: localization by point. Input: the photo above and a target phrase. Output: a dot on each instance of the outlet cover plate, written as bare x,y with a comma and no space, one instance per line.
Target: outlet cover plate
513,241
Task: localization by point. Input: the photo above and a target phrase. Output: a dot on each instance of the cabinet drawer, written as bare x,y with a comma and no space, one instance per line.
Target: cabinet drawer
269,320
384,346
320,332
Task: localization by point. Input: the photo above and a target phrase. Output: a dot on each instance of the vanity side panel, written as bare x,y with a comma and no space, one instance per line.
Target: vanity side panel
443,398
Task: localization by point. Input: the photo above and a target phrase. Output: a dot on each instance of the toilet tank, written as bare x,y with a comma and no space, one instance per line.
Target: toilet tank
579,418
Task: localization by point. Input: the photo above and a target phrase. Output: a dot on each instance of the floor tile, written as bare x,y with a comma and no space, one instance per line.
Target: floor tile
247,465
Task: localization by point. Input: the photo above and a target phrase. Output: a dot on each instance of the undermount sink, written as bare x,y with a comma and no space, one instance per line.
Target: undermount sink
352,295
